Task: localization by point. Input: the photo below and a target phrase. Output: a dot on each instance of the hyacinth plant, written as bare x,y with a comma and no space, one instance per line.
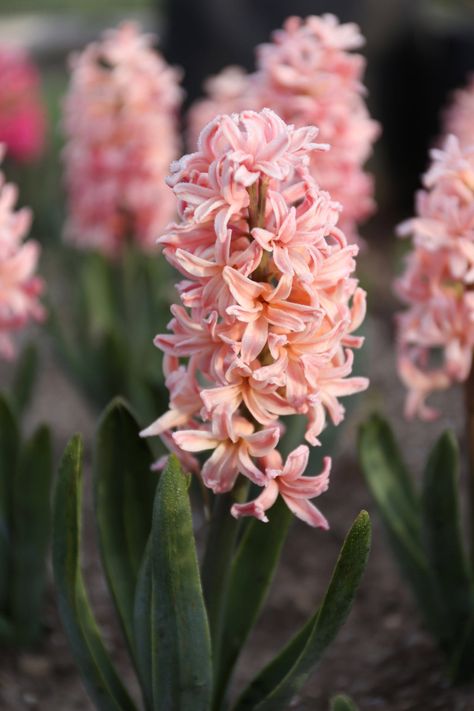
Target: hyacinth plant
311,76
120,122
25,466
435,346
264,330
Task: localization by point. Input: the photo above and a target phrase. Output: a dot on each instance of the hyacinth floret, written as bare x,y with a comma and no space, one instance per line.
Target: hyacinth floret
310,75
20,287
268,309
436,331
120,120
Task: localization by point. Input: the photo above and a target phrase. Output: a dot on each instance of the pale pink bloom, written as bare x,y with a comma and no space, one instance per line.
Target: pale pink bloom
287,480
20,287
458,115
269,306
230,458
309,75
436,332
120,120
185,401
22,114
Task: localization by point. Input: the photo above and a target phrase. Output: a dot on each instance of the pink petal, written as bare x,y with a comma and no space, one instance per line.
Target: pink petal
262,442
244,290
195,440
258,506
254,339
306,511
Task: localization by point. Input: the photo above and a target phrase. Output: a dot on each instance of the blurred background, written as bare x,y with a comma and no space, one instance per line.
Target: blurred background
417,52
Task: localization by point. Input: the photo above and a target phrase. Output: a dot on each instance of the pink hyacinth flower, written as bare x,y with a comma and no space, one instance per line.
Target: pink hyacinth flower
436,331
20,288
269,306
310,75
120,120
22,114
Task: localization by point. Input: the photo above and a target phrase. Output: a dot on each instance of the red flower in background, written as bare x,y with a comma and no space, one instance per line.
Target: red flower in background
22,115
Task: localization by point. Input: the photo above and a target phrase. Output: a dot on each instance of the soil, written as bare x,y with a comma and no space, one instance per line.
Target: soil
383,657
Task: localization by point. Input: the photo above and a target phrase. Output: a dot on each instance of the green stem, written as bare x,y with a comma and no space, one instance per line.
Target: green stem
217,561
469,409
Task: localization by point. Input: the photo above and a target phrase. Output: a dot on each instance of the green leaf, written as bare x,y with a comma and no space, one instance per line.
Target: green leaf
124,488
9,453
31,532
341,702
387,475
142,627
24,380
390,486
320,631
251,575
220,546
7,631
99,676
269,678
443,536
98,302
462,660
181,654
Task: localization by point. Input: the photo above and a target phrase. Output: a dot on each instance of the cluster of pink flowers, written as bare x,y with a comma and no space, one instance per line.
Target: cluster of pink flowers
436,332
268,309
19,286
458,118
309,75
22,116
121,124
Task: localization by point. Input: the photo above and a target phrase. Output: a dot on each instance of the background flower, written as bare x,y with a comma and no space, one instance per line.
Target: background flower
310,75
436,332
120,119
22,116
20,288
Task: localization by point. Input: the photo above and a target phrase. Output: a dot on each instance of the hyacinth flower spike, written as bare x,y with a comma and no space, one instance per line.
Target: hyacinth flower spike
277,339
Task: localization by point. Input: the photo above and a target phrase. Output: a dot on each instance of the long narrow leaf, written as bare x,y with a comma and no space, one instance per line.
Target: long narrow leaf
7,631
386,473
25,377
251,576
181,662
97,671
462,660
219,552
124,489
9,453
142,623
389,484
443,536
271,675
326,624
31,531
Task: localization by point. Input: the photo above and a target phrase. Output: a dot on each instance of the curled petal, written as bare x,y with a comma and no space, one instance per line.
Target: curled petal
258,506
